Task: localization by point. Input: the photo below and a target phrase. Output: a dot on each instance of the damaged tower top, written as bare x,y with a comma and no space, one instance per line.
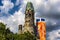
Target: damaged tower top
29,18
29,6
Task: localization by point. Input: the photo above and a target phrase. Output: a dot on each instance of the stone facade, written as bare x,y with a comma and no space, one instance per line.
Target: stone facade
29,21
29,18
20,29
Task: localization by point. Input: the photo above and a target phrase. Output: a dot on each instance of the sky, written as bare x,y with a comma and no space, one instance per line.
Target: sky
12,14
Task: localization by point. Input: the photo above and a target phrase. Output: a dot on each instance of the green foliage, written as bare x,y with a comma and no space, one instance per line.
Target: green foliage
2,30
28,36
2,26
25,36
6,34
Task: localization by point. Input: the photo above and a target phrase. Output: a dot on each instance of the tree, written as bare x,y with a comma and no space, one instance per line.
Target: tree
6,34
2,30
27,36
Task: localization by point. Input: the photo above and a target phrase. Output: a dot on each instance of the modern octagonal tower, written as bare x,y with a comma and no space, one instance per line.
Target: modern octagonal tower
29,18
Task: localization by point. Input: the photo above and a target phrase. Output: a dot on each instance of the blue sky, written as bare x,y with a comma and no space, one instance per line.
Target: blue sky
12,14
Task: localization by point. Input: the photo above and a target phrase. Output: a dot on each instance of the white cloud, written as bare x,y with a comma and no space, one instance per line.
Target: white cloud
13,21
54,5
53,1
7,5
18,17
18,2
44,5
54,34
51,21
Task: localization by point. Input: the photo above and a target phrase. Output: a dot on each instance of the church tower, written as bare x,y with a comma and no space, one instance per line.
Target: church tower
29,18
